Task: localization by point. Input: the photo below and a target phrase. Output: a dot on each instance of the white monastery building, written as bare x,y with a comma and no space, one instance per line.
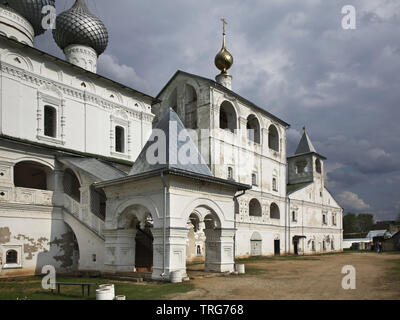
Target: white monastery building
96,176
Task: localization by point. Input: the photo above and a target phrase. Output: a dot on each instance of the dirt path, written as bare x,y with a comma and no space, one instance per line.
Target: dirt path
310,278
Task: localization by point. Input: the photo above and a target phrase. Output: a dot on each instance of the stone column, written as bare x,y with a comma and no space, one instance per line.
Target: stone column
175,252
120,250
219,250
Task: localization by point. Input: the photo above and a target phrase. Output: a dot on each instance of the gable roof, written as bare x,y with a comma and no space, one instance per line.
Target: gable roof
224,89
168,148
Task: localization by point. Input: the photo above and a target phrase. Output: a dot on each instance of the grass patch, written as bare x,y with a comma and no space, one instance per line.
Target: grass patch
271,259
254,271
31,289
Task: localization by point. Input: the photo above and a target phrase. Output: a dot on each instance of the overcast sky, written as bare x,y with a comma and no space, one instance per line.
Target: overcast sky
292,58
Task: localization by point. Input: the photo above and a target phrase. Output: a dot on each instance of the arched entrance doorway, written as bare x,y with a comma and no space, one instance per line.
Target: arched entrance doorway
217,243
129,248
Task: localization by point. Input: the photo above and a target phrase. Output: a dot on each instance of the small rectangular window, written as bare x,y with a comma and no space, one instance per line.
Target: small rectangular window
254,179
294,218
230,173
50,122
274,185
324,218
119,139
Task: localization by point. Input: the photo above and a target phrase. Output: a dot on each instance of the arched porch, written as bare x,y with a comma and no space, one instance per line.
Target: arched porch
129,246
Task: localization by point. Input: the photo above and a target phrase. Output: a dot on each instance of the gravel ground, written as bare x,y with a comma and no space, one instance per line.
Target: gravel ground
317,278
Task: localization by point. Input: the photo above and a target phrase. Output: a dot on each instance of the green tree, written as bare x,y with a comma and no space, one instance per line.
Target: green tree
365,221
350,224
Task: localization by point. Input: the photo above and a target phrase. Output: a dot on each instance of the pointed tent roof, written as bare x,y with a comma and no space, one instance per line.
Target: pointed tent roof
305,144
170,147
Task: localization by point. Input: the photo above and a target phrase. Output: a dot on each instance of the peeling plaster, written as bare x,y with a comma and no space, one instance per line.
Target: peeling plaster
5,235
32,246
66,244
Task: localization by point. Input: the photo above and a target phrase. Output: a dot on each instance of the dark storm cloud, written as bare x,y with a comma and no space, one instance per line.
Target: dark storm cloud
292,58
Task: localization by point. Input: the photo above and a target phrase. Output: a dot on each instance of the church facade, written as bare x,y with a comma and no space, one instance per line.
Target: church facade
98,176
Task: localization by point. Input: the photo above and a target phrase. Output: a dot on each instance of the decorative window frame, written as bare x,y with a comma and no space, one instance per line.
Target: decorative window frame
294,216
7,248
275,184
58,104
324,221
126,125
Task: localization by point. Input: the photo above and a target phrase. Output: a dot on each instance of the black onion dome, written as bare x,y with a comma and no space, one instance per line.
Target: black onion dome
31,10
78,26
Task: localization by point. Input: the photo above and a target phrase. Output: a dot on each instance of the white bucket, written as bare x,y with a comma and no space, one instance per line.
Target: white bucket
110,287
175,276
120,297
104,294
240,269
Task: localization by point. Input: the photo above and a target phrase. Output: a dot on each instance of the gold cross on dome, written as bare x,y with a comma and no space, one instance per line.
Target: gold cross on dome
224,23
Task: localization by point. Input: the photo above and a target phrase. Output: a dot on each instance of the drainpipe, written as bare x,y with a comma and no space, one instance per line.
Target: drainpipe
234,236
164,221
286,204
290,240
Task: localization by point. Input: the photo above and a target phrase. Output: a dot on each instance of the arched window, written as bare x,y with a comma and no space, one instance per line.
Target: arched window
50,121
12,257
255,208
33,175
119,139
190,107
98,202
273,138
72,185
301,166
253,129
227,117
274,211
318,165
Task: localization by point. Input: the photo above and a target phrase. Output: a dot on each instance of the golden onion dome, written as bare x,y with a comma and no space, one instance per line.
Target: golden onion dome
223,59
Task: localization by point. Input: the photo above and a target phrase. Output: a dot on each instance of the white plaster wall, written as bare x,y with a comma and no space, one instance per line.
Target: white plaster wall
88,107
34,230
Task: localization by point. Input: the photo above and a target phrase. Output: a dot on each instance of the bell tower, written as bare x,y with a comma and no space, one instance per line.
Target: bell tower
306,165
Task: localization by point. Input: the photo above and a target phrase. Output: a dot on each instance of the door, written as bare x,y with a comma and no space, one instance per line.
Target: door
277,247
296,250
255,247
